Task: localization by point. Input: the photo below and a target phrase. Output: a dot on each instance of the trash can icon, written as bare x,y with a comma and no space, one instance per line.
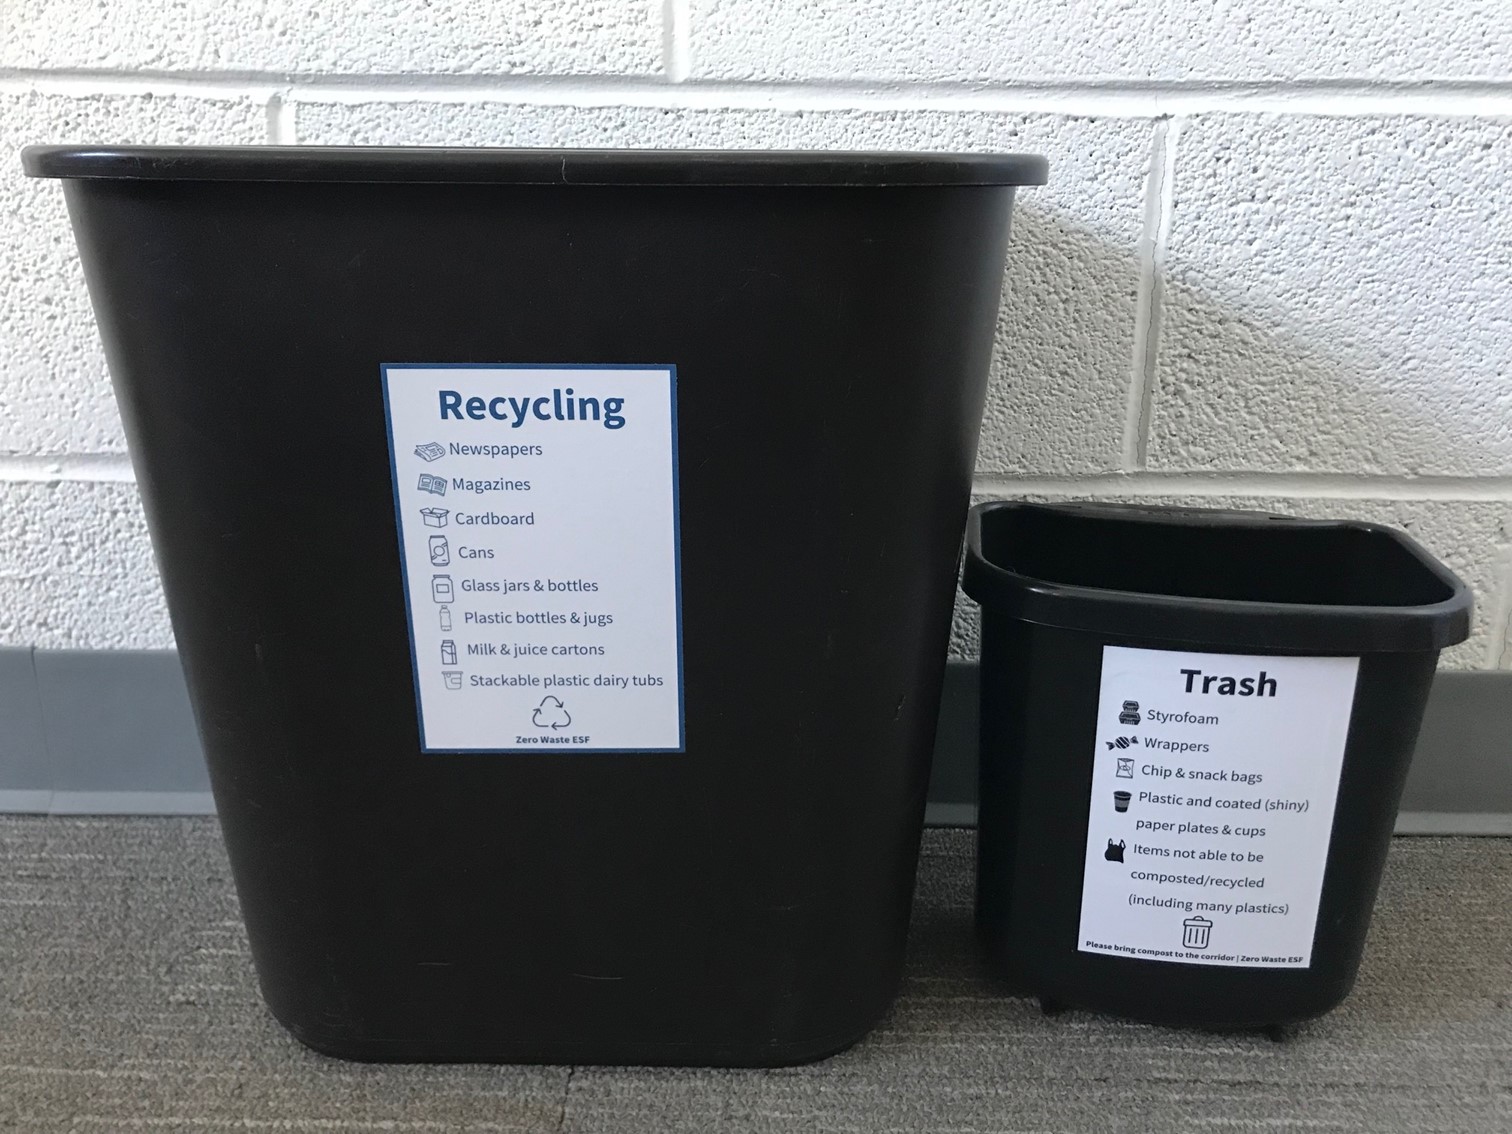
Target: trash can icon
1196,932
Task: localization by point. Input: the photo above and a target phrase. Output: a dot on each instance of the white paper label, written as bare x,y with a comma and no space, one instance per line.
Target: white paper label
1213,791
537,514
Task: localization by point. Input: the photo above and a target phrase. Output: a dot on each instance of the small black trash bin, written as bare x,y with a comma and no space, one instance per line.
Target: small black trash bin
1195,729
561,549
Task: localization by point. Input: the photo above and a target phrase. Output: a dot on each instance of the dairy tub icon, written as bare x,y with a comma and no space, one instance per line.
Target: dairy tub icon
1196,931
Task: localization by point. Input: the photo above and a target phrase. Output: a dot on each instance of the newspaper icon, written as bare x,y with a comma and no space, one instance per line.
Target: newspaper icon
430,451
435,485
434,517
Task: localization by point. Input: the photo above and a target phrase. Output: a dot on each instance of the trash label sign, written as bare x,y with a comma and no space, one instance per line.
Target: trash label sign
537,516
1213,789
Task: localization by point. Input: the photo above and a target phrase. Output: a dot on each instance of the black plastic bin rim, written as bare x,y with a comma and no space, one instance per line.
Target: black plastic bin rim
1218,625
443,165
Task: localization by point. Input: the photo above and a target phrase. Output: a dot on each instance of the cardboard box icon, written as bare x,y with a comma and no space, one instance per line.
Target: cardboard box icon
434,517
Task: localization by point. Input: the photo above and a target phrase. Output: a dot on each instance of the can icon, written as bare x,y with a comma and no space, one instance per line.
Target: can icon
1196,932
1121,800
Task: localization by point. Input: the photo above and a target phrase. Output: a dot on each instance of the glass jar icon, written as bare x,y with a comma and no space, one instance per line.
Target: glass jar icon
441,588
1195,932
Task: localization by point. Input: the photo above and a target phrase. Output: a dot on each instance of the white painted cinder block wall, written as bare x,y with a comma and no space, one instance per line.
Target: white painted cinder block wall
1273,267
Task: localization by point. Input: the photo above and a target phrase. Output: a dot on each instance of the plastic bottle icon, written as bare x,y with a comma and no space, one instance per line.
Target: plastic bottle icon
441,588
446,622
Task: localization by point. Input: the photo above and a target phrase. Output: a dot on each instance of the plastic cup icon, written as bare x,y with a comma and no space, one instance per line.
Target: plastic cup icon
1121,800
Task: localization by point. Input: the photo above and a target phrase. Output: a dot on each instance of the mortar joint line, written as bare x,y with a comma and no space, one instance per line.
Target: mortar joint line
1113,98
676,46
1149,300
281,113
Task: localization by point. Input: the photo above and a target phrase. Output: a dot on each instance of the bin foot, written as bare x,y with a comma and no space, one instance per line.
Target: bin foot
1052,1007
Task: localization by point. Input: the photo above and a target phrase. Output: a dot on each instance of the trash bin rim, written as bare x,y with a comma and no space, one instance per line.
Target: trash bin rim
1217,624
505,166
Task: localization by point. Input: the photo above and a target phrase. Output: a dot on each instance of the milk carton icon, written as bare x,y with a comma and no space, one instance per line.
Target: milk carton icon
1196,930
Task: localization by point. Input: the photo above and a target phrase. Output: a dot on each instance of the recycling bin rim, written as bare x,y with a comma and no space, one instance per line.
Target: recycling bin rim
1237,624
504,166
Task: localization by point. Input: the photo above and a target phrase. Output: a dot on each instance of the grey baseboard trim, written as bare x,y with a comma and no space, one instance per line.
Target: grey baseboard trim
107,803
950,814
111,733
1453,823
98,732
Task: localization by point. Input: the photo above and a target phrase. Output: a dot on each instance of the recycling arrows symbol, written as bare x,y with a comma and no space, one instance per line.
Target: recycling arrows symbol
551,713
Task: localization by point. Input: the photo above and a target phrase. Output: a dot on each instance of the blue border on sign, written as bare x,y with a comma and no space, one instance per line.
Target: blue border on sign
670,369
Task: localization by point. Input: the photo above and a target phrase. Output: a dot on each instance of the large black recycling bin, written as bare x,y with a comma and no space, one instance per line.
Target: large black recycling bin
1195,729
328,357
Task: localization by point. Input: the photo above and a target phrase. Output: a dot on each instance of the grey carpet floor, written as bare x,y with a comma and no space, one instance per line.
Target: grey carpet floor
127,1004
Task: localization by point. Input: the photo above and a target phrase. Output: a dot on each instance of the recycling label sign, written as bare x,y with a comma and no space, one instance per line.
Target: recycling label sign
538,538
